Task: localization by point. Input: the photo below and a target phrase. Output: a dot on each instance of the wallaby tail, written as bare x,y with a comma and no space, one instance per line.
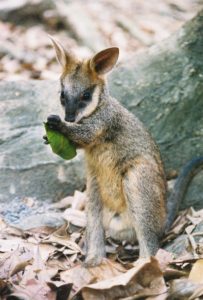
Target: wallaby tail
180,188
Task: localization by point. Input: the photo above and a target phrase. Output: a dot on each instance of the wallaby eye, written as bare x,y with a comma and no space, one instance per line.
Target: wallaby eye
86,96
62,94
62,98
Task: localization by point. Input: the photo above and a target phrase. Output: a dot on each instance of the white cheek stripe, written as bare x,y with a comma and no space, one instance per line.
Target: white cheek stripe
90,108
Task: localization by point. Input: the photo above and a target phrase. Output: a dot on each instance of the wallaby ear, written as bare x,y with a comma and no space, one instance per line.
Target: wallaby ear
105,60
62,56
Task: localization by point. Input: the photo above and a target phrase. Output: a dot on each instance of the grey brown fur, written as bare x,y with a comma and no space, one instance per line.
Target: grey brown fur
126,183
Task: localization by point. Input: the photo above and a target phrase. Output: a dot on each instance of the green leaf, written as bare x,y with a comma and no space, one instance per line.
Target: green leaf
60,144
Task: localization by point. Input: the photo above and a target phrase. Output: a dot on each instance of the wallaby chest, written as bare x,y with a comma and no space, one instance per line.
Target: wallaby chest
101,161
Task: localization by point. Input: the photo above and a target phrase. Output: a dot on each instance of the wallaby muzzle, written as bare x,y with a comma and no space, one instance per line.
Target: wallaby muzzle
71,109
70,118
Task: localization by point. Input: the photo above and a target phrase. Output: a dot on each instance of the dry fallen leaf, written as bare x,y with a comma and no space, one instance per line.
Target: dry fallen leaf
14,262
5,287
174,273
79,200
55,255
164,258
76,202
184,289
196,274
178,225
46,251
8,230
62,290
38,269
145,279
75,217
63,203
61,264
56,240
33,289
80,276
20,267
7,245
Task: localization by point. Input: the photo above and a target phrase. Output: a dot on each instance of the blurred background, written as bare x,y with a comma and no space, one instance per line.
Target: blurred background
83,27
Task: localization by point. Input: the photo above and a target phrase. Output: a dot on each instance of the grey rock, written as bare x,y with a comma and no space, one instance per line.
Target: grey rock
131,27
24,10
40,220
80,24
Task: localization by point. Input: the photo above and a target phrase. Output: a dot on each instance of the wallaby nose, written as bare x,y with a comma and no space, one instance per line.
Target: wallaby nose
69,118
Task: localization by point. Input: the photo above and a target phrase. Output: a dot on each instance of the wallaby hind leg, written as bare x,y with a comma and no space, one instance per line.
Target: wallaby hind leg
146,206
95,242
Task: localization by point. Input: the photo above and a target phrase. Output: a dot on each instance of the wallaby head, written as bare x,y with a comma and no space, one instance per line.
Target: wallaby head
83,81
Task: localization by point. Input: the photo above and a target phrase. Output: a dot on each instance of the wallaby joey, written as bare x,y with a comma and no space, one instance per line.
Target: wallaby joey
126,182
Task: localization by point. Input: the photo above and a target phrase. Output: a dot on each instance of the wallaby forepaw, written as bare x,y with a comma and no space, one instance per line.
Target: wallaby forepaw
54,121
46,142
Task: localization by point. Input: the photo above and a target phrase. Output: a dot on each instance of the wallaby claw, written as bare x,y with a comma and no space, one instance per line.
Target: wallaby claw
53,121
46,142
45,137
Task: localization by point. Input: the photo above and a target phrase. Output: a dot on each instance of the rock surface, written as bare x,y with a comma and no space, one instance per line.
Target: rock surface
163,86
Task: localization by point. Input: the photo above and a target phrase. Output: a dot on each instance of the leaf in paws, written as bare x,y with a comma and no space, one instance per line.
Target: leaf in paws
59,143
46,142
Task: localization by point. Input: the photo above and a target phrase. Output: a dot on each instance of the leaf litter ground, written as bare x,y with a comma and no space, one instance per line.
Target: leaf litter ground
47,263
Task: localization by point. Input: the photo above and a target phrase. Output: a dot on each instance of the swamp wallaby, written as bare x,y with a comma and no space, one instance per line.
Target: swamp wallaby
126,182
